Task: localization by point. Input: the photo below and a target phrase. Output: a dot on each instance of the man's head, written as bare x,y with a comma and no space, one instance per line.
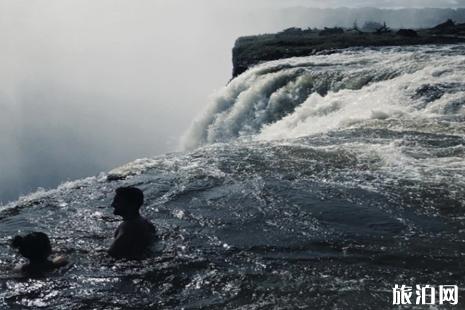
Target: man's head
127,201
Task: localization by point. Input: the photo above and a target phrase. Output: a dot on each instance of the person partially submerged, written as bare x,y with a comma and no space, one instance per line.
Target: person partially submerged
134,236
36,248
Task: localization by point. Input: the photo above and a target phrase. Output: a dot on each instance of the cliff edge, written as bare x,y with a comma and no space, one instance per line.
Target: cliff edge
294,42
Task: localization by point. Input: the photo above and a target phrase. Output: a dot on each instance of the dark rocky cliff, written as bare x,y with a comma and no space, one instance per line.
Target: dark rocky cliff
294,42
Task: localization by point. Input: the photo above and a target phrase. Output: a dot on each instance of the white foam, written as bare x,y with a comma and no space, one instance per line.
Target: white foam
340,90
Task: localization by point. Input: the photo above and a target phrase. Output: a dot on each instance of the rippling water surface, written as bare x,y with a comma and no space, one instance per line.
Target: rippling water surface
316,182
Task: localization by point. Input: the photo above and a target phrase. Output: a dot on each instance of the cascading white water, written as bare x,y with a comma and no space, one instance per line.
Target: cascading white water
411,87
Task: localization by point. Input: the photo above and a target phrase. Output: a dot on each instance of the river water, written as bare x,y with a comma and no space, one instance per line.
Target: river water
316,183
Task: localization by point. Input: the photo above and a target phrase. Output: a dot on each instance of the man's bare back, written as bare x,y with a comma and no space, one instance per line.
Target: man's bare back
132,238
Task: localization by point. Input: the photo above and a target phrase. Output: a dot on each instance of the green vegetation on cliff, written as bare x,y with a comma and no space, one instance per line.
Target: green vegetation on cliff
293,42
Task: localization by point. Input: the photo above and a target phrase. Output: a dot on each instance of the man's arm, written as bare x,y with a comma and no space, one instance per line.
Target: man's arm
121,244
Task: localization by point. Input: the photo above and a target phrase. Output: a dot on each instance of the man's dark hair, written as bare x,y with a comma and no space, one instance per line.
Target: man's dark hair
34,246
131,195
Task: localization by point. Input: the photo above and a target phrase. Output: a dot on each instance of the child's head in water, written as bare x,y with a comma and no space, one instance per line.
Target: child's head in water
127,201
34,246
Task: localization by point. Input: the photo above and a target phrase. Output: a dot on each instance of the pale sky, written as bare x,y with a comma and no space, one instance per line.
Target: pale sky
374,3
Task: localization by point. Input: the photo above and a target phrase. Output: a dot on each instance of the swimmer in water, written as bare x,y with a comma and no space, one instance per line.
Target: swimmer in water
135,235
36,248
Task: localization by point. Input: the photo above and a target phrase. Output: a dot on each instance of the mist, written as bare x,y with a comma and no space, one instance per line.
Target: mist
88,85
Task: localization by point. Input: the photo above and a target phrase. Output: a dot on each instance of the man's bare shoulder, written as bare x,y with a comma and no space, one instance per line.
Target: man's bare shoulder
135,225
148,223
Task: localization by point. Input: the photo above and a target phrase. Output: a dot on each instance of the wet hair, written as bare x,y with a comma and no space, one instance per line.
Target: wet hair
132,195
33,246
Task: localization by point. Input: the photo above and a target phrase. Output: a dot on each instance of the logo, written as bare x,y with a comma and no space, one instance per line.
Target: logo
425,295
